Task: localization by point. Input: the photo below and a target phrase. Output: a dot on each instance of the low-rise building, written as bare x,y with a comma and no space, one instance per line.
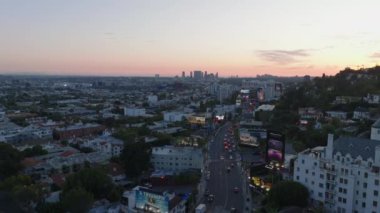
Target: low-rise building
309,113
372,98
105,144
174,116
134,112
361,113
337,114
77,130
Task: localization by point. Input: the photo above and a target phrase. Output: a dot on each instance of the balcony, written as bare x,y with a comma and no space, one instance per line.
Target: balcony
330,201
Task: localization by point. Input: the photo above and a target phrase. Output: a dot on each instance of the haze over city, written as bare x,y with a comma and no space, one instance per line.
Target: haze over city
142,38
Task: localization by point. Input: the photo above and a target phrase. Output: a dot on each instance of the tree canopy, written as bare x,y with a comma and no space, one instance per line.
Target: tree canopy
136,158
10,160
288,193
93,180
77,200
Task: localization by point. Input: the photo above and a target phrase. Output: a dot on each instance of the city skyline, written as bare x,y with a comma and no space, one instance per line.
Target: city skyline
144,38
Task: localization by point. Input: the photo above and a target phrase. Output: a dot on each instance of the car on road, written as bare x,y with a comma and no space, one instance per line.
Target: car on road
232,165
236,189
207,193
231,157
210,198
233,209
228,169
221,157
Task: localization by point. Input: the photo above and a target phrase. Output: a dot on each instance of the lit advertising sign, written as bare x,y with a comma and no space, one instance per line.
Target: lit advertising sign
244,91
151,202
197,120
260,94
275,147
219,117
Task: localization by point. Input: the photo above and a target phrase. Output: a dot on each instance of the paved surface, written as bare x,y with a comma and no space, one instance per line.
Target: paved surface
222,183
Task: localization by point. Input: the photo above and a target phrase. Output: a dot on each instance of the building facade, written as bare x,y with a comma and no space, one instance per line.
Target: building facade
177,159
142,199
344,176
134,112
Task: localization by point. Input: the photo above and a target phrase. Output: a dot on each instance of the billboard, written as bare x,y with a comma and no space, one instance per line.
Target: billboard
275,149
151,202
260,94
197,120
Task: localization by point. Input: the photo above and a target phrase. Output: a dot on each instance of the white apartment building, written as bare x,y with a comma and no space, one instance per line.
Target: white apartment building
134,112
344,176
177,159
106,145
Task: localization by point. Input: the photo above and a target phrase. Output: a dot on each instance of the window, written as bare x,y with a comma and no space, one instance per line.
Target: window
345,191
345,181
303,161
344,200
321,185
313,173
320,194
365,174
375,193
376,182
340,189
363,204
364,195
374,203
321,176
365,185
307,171
312,182
298,169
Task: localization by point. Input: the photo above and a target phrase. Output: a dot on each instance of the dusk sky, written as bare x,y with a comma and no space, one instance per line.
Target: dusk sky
140,37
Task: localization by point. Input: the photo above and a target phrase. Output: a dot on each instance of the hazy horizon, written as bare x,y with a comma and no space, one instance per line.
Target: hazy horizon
144,38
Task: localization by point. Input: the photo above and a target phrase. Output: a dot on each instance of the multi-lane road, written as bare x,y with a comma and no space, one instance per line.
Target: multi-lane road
222,184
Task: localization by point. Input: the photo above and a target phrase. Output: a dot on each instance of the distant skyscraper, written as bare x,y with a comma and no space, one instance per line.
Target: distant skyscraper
191,74
198,75
157,75
205,75
183,74
216,75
